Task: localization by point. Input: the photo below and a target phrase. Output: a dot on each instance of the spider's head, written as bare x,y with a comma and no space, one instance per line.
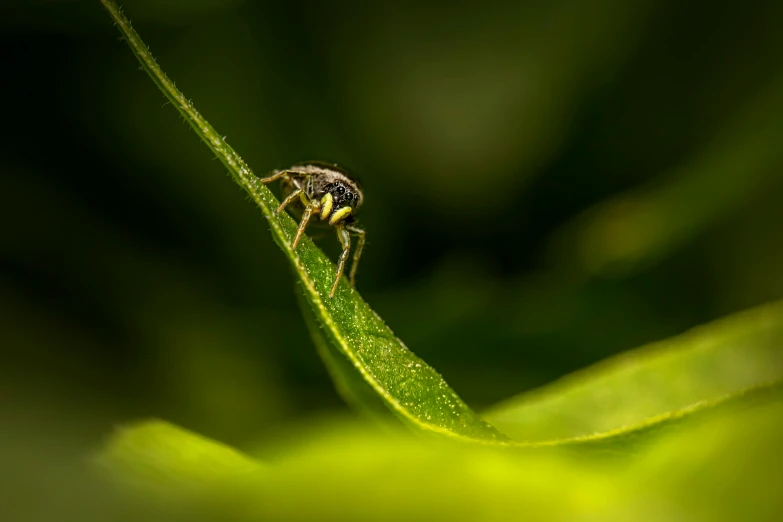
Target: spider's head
340,200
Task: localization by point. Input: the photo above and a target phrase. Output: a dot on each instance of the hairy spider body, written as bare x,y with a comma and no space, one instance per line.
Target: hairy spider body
328,190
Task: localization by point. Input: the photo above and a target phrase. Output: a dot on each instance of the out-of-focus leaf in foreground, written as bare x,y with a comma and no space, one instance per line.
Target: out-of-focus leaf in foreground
158,458
735,358
404,383
720,467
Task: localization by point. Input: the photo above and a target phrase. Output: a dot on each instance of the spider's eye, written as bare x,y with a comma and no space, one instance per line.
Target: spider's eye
340,189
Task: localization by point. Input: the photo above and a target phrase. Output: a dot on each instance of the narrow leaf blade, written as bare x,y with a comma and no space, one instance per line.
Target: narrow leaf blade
408,386
733,357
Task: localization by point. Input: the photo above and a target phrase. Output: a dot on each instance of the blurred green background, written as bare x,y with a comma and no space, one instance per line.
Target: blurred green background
546,183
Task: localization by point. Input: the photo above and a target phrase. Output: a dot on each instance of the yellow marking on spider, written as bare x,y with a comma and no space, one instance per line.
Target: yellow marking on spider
340,214
327,202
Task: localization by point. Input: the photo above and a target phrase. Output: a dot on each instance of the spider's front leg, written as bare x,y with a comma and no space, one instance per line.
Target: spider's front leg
345,240
313,206
359,233
275,176
293,195
310,206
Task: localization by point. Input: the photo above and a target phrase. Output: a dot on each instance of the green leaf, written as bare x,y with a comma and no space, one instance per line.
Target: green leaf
723,467
347,381
403,382
734,359
371,367
156,458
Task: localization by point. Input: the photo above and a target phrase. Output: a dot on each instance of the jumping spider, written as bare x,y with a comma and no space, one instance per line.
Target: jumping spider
316,187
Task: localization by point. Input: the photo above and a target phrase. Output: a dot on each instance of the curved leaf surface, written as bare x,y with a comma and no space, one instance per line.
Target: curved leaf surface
406,384
640,389
735,357
725,468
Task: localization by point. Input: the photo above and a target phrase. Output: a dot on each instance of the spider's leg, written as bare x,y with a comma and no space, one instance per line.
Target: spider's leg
345,240
308,211
276,176
358,232
292,196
